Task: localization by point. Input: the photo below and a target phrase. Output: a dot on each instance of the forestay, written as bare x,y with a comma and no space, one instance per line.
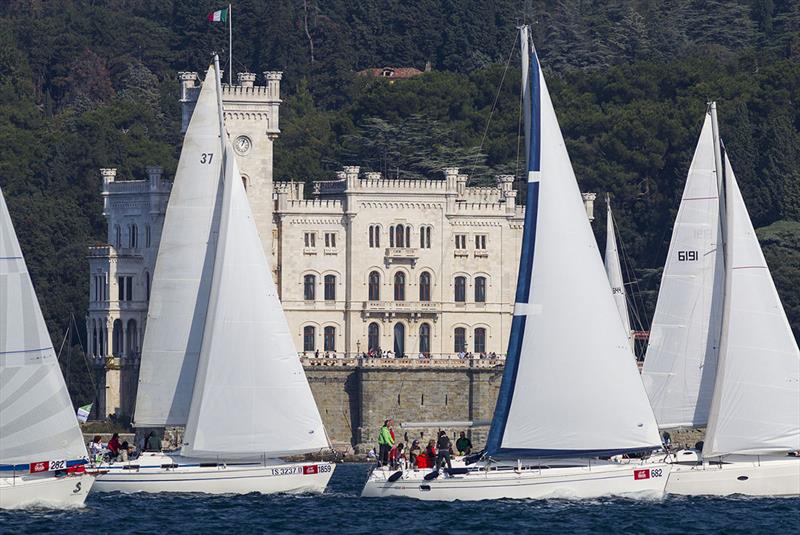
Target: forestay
680,364
756,406
570,386
251,396
182,276
614,272
37,420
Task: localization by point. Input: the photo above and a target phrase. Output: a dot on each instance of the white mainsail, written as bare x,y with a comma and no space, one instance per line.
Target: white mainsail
182,276
614,272
251,396
570,386
681,359
37,420
756,405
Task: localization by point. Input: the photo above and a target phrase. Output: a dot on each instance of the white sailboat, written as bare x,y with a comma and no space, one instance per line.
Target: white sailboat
614,272
41,447
218,356
565,399
747,386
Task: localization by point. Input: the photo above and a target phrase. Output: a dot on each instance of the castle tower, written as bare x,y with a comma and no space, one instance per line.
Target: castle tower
251,119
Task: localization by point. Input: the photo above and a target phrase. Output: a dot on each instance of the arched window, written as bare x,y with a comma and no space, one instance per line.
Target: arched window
330,339
480,289
425,339
425,237
132,338
133,236
391,236
309,287
94,338
372,236
309,338
373,337
101,338
460,340
408,236
117,236
399,286
460,289
479,340
374,286
117,346
425,286
147,236
399,340
399,236
330,287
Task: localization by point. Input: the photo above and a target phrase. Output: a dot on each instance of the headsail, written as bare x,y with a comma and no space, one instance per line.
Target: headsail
37,421
564,392
251,395
614,272
681,359
756,405
181,280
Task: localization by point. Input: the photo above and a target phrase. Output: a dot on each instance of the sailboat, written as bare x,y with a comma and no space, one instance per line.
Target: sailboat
218,356
722,352
566,399
614,272
41,446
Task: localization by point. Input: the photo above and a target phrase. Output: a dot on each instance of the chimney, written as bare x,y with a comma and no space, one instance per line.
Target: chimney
109,174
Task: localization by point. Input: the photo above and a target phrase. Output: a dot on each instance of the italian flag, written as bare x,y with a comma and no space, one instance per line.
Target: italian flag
218,16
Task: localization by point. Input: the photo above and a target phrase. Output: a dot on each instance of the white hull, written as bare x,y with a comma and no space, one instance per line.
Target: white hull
505,481
747,475
149,474
44,490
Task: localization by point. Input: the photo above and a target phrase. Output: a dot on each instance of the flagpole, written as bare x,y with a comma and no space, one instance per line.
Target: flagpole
230,45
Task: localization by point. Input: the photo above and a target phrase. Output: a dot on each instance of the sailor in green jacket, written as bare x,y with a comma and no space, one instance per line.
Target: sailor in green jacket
386,441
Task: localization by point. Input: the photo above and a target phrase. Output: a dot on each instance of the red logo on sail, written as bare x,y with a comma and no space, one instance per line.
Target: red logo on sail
310,469
42,466
641,474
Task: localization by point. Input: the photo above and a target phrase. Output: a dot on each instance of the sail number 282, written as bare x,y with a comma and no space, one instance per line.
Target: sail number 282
206,157
688,256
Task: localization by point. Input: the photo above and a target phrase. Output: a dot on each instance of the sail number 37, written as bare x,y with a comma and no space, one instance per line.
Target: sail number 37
206,157
688,256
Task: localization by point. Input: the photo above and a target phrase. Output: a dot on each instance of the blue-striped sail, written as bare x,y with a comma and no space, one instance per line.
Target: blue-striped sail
570,387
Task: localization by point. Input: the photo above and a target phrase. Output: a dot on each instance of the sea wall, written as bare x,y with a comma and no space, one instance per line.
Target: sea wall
355,396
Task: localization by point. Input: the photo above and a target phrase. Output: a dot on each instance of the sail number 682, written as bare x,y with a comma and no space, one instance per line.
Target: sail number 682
206,157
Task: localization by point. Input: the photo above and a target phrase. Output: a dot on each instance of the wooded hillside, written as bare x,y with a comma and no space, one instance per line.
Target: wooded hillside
86,84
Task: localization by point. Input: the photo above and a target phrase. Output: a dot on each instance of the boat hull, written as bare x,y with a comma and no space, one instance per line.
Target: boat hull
576,482
752,477
44,490
149,474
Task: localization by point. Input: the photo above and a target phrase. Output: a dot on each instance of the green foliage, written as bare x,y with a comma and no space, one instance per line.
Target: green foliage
86,84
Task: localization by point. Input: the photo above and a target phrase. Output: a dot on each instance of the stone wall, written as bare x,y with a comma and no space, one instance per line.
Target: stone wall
355,396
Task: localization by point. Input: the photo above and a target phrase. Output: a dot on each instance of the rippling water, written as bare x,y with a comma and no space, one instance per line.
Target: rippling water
340,510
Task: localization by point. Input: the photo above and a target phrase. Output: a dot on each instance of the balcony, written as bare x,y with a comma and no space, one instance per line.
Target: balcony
401,254
411,309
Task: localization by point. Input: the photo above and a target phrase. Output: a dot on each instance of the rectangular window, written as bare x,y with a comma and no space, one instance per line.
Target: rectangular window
330,239
310,239
330,287
125,288
480,242
461,241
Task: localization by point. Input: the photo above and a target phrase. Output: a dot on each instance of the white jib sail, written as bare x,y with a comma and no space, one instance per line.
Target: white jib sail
182,276
576,389
756,407
251,397
37,421
681,359
614,272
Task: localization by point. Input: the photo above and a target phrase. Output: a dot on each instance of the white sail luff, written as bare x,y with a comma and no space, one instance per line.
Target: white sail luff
37,420
181,280
756,405
614,272
681,359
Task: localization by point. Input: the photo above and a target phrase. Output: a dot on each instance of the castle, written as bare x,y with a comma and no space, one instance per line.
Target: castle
412,267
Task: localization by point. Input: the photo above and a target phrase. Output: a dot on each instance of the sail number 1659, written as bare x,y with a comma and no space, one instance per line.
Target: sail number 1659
206,157
688,256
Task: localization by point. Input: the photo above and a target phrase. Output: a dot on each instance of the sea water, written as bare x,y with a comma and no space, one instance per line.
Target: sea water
341,510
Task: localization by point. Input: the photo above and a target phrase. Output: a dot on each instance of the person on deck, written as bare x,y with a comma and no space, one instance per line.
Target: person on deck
385,441
414,452
463,444
443,445
96,448
114,445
